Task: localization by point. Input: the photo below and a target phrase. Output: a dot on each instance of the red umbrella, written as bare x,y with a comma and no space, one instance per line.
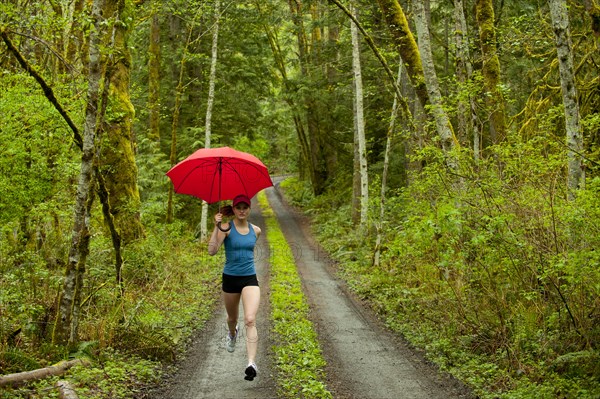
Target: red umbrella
217,174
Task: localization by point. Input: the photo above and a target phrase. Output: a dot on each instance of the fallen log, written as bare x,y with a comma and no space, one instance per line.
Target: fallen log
66,390
57,369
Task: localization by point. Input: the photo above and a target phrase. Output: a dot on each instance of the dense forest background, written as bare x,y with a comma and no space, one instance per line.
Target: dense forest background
453,146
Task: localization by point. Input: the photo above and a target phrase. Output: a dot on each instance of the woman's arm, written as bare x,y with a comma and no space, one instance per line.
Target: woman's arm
257,230
217,237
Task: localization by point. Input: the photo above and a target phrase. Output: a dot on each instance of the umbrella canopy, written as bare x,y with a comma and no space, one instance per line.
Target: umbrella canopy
217,174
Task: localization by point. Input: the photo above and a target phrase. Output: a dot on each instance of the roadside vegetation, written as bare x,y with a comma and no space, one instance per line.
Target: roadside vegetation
298,357
128,332
498,281
488,144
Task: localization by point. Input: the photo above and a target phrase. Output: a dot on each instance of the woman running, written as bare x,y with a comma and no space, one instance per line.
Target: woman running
239,274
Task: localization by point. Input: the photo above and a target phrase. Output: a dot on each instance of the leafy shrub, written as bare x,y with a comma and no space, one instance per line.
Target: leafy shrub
496,276
168,290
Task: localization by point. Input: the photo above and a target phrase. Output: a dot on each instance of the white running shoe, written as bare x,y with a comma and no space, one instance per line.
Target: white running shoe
230,345
251,371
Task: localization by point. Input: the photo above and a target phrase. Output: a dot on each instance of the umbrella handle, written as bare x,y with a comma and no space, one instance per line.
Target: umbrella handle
222,229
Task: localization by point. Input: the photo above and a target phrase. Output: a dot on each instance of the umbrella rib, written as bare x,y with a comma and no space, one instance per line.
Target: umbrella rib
212,183
259,168
194,168
230,164
184,179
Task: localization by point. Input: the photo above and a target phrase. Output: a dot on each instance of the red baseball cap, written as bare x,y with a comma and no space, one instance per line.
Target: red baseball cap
241,198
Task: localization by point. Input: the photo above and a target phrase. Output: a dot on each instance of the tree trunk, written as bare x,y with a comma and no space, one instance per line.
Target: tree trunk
312,140
484,11
175,119
57,369
560,26
407,46
466,116
118,164
154,75
360,142
63,332
73,34
280,64
324,36
333,122
209,106
442,122
384,174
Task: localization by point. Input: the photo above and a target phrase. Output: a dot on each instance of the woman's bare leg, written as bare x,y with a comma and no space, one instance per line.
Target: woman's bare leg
251,300
232,304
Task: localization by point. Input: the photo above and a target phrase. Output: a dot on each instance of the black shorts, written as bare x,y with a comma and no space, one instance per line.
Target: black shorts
235,284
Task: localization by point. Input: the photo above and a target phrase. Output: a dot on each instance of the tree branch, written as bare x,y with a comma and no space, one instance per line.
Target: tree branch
48,92
371,44
57,369
379,56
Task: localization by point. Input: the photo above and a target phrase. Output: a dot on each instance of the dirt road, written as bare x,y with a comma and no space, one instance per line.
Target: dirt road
208,370
364,360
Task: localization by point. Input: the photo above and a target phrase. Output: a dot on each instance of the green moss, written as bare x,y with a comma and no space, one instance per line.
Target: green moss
299,360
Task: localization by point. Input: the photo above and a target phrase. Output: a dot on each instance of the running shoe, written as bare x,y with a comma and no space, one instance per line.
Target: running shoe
230,345
251,371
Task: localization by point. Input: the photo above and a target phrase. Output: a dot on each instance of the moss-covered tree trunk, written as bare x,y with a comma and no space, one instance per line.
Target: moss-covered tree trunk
560,26
466,128
407,46
484,12
154,74
442,122
65,326
117,160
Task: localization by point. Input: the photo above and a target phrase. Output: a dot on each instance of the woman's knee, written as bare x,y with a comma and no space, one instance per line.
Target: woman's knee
250,321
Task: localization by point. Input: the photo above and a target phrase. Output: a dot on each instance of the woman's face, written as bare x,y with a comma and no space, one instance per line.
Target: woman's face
241,210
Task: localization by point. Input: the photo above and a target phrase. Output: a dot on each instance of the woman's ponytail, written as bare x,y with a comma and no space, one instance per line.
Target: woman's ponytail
226,210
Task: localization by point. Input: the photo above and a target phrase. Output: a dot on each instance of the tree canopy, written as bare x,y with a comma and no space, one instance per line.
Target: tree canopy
490,202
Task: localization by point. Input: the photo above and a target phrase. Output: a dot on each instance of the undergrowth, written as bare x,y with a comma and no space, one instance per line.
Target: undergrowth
498,280
298,357
127,332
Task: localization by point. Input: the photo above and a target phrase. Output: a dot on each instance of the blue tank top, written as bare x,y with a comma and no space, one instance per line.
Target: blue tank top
239,252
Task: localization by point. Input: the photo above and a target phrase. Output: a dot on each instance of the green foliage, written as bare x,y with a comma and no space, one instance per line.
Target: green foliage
114,376
169,288
500,251
496,276
35,161
298,356
298,192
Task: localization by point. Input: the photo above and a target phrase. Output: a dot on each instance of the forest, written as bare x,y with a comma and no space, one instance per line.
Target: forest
450,150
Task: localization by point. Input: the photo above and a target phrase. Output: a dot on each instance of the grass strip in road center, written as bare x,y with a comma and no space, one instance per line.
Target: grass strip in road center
298,356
